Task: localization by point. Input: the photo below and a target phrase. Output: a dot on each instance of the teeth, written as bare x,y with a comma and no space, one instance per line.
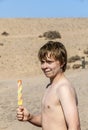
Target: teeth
46,71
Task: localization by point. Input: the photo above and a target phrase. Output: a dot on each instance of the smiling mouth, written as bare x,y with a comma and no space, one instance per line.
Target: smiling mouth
46,72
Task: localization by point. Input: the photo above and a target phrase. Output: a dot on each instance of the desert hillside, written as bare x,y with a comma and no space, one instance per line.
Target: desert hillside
18,49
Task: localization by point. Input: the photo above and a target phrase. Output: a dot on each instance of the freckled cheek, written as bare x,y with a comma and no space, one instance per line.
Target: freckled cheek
56,69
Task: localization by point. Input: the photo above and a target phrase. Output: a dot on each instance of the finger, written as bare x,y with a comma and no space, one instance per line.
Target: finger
19,109
20,113
19,117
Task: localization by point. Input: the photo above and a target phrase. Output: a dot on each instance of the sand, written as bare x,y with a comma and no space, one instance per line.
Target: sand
18,60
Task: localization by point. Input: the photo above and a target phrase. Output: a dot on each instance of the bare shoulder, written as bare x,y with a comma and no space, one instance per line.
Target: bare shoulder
67,90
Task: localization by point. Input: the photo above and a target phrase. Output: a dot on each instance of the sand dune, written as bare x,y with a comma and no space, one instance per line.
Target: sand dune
18,60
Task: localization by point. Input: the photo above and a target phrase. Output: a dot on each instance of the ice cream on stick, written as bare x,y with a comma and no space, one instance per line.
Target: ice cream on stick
20,87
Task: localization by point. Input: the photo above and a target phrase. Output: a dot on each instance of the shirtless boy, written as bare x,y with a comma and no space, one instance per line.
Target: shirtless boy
59,109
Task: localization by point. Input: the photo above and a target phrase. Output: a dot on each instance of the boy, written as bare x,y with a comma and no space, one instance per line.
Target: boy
59,105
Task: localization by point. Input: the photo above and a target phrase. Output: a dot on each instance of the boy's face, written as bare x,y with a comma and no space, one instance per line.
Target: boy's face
50,66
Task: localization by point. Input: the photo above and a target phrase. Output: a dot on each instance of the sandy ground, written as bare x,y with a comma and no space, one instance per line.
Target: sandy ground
18,60
33,89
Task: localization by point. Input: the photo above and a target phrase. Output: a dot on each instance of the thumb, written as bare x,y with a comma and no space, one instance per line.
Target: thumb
21,108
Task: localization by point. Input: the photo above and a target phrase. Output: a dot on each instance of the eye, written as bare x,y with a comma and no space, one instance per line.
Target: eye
42,62
49,62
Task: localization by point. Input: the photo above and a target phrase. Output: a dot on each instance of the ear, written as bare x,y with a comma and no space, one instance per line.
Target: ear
62,64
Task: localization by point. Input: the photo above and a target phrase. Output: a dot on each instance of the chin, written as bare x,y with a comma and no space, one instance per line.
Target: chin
49,76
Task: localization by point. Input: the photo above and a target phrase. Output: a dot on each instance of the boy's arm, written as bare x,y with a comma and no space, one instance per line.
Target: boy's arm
68,101
35,120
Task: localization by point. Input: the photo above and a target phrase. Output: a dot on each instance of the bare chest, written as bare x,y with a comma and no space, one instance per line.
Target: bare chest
50,99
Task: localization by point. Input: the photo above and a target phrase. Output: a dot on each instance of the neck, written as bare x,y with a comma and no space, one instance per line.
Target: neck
56,78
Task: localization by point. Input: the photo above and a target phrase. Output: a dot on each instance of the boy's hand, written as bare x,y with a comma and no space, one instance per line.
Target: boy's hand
22,114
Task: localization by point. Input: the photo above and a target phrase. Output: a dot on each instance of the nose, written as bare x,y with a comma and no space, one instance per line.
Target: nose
44,65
